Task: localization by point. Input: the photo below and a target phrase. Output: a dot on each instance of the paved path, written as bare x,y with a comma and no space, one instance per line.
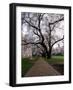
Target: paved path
42,68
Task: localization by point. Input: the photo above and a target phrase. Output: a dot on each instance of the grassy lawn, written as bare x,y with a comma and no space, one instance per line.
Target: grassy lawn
56,60
26,64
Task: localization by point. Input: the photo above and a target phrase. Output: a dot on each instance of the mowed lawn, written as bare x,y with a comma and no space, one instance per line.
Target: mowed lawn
27,63
56,60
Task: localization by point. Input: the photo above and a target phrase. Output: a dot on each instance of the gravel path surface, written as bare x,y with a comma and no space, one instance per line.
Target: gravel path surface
42,68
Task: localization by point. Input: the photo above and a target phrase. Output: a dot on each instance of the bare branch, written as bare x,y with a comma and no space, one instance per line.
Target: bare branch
36,33
31,24
39,47
41,35
42,16
31,43
37,29
57,41
57,21
53,27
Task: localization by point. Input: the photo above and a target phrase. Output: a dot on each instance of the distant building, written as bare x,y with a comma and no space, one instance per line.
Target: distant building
26,50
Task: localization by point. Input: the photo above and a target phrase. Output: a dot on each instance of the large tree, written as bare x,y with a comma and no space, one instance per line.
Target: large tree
42,27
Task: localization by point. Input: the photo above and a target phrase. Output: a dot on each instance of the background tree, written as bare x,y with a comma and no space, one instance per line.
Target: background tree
43,29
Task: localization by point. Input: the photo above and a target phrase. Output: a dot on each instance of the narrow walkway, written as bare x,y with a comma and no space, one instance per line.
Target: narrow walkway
42,68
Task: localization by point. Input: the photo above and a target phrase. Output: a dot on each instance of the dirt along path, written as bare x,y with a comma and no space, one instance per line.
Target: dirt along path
42,68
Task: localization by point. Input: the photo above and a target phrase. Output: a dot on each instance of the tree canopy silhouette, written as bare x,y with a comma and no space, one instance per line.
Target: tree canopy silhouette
42,28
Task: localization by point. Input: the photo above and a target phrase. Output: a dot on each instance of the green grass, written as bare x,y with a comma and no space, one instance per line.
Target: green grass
56,60
26,64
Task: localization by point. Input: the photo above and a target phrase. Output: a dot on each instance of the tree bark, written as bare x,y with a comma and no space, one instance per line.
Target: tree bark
49,53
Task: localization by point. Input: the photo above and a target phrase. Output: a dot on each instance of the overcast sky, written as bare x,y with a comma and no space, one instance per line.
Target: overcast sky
59,31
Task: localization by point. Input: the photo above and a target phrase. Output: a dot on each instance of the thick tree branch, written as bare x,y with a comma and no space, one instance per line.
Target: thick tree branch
57,41
56,21
49,41
37,29
31,24
39,17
